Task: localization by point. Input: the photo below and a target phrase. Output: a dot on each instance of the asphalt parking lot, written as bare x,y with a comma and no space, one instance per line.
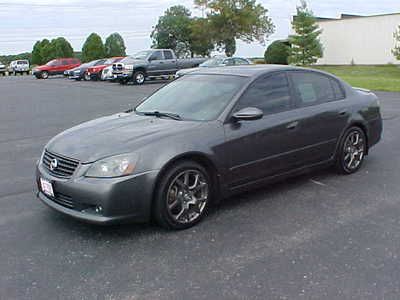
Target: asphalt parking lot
319,236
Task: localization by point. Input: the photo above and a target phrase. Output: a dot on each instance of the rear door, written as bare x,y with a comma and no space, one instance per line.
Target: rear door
266,147
171,65
323,114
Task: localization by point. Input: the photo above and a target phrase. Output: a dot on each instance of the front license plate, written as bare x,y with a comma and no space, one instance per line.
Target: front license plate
47,187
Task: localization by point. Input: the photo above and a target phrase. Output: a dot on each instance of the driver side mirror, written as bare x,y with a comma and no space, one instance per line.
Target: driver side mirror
248,114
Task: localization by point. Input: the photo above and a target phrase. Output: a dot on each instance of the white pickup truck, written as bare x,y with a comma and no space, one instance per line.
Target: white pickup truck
151,64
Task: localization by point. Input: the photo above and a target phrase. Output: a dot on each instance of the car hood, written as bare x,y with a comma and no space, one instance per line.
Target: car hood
41,68
115,134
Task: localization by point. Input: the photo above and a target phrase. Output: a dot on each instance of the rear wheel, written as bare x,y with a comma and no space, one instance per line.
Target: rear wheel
183,196
352,151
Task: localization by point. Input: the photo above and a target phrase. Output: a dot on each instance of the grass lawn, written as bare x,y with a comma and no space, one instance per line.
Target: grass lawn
377,78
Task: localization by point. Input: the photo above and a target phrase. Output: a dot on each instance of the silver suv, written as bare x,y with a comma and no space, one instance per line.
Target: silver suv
19,66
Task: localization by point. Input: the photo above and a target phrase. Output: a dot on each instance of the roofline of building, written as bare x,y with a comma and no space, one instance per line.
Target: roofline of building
351,16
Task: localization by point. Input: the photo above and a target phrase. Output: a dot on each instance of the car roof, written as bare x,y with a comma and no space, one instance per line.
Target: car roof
248,70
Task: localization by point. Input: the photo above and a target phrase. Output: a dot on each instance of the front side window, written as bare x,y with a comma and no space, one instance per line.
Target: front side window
156,56
195,97
271,94
312,88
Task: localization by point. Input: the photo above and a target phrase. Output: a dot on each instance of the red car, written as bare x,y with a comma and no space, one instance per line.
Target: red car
55,67
94,73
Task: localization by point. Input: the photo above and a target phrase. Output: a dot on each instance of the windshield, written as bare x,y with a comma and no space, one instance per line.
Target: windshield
112,60
52,63
194,97
142,54
213,62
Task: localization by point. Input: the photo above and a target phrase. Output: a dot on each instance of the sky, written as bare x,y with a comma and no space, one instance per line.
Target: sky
23,22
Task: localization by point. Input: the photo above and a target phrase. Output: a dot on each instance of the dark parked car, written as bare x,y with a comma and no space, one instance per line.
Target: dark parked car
78,73
205,136
55,67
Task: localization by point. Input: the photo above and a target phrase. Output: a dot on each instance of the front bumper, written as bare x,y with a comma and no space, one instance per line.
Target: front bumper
100,201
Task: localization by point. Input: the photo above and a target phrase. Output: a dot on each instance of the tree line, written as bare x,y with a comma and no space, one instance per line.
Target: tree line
93,48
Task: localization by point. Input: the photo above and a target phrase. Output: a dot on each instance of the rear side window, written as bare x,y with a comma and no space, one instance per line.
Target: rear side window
270,94
312,88
168,55
337,89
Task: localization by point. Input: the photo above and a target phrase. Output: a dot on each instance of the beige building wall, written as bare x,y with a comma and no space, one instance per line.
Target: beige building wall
364,40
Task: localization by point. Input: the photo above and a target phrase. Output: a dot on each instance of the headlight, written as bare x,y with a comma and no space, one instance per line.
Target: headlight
115,166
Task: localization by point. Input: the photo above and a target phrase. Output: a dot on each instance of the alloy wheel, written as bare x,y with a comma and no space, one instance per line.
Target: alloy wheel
354,150
187,196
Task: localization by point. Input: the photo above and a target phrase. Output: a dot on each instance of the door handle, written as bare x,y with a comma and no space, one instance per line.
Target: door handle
292,125
343,113
161,62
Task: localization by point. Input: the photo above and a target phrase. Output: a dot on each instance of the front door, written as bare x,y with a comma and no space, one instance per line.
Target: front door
157,64
265,147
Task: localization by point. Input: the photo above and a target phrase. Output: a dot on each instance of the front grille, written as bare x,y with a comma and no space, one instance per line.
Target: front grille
65,166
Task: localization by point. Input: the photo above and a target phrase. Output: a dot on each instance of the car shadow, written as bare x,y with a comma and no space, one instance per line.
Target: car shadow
123,231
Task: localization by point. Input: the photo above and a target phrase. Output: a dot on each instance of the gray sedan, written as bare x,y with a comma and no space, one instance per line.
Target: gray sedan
206,136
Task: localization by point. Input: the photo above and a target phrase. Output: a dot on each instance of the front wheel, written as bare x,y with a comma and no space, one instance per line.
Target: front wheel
139,77
352,151
45,75
86,77
183,196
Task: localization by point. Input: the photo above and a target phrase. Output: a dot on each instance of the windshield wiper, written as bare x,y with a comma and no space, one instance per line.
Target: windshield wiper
162,114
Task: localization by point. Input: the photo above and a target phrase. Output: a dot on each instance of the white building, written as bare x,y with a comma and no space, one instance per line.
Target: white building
362,40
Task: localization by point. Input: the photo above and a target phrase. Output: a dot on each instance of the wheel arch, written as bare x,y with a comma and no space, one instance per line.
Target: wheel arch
198,157
358,124
141,69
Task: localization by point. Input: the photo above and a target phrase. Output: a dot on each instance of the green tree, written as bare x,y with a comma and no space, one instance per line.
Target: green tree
396,50
36,54
115,45
46,51
201,42
238,19
277,53
93,48
173,28
306,47
60,48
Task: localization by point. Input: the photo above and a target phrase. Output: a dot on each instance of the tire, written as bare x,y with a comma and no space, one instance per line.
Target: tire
86,77
351,151
139,77
44,75
181,203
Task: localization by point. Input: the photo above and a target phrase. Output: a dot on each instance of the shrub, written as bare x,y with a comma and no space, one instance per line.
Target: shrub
277,53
